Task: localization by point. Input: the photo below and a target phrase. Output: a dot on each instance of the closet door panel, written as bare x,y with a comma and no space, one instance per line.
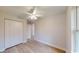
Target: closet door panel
13,33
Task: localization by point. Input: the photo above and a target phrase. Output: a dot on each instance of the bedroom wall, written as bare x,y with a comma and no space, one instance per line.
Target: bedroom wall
1,33
68,30
51,30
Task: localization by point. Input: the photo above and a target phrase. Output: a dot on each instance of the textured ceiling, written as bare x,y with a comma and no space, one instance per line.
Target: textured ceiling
22,10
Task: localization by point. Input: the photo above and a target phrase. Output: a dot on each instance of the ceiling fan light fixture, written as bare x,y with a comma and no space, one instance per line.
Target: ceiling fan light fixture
32,17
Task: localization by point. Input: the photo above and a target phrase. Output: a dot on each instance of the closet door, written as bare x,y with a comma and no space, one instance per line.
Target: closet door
13,33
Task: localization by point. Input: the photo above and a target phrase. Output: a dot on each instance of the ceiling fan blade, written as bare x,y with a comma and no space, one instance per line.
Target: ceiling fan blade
34,11
31,10
28,13
38,15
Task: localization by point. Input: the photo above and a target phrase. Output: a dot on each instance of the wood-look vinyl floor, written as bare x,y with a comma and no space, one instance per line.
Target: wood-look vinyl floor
32,46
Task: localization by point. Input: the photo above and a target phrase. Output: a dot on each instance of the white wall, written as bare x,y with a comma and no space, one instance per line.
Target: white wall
1,33
51,30
2,39
68,30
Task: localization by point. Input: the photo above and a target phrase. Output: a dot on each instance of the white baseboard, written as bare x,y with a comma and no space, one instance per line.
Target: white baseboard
50,44
25,41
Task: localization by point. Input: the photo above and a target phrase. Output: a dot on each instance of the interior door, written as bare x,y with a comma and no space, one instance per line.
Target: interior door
13,33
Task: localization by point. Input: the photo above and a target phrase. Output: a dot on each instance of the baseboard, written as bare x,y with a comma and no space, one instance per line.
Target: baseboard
25,41
50,45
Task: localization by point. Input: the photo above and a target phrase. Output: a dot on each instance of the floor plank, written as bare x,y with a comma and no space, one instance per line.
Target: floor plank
32,46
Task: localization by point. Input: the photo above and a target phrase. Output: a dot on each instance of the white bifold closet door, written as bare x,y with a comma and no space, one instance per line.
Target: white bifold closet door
13,33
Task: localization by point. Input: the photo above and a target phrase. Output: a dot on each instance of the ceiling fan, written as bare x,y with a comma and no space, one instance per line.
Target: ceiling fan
32,14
